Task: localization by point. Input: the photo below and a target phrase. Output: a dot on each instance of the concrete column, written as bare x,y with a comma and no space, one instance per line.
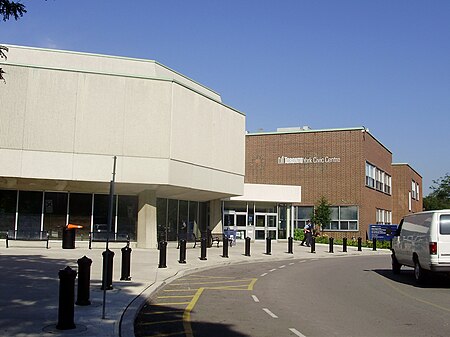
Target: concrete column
215,216
146,228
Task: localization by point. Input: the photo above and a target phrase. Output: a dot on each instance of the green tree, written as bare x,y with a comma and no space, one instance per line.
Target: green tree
3,50
322,213
439,198
10,9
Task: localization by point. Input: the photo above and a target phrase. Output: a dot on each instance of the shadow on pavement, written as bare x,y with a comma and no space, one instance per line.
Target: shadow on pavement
406,276
29,294
158,320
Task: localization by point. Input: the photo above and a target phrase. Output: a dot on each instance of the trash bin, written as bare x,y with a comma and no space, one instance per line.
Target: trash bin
68,236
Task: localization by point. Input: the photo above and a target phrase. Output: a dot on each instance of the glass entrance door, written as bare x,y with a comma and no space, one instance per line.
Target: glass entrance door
265,226
236,221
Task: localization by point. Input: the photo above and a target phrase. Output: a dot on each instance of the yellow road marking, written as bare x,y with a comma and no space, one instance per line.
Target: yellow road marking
250,286
179,290
175,296
187,313
168,303
162,312
212,277
160,322
233,281
413,297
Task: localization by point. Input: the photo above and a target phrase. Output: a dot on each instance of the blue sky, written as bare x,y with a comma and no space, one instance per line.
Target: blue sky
381,64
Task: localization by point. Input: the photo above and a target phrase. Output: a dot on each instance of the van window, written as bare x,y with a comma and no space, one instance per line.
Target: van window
444,227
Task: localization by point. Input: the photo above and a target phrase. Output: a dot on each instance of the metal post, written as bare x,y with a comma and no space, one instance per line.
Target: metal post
331,245
247,246
290,245
66,299
108,230
126,263
268,246
344,245
359,244
108,257
313,244
225,246
374,244
182,251
162,254
84,280
203,243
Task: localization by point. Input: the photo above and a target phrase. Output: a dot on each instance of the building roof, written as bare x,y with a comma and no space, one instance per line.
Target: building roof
307,129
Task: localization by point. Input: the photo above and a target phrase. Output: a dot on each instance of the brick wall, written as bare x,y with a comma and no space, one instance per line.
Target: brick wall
341,180
403,175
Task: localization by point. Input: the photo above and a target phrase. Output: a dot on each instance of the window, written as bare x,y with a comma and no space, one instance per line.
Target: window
417,191
370,175
30,210
301,215
343,218
8,201
377,179
80,210
413,189
444,227
55,213
387,183
383,217
127,211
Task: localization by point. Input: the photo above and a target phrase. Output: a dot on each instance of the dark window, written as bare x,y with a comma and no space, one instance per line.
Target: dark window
8,200
444,227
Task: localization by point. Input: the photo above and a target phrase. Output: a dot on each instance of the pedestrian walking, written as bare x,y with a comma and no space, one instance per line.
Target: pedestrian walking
307,231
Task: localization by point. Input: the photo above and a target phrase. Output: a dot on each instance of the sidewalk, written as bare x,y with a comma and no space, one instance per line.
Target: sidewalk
29,283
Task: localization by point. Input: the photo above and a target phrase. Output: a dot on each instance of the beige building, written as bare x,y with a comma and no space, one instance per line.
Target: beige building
65,115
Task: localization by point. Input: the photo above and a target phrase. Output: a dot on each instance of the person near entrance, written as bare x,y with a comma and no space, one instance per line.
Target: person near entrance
307,231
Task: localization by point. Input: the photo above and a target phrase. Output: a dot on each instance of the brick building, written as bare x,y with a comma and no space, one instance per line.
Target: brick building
349,167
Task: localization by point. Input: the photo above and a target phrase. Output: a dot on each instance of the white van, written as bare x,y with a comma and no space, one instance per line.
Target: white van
422,241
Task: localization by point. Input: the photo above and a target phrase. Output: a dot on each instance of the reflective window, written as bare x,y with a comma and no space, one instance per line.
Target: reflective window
444,227
55,213
301,215
30,211
127,211
343,218
80,209
8,201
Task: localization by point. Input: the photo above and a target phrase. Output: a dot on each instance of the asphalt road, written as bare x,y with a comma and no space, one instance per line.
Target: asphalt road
348,296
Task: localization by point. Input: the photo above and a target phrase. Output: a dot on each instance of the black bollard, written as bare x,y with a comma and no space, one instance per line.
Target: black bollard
374,244
247,246
331,245
84,281
225,246
182,251
359,244
108,257
126,263
268,246
344,245
66,299
162,254
203,246
313,244
290,245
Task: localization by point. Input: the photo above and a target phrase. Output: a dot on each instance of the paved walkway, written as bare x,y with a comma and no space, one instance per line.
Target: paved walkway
29,283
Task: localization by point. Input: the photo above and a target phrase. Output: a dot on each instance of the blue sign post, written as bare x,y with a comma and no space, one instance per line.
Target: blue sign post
382,232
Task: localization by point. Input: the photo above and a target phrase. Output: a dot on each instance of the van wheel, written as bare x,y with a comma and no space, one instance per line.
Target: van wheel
395,265
419,272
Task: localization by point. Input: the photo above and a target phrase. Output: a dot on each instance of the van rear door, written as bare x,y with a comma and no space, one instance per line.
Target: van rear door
444,239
